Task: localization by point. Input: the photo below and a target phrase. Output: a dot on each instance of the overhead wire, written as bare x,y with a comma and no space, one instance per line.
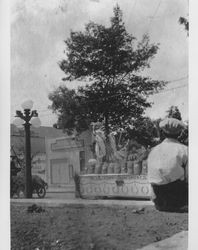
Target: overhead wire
178,79
130,12
166,90
171,81
157,93
161,92
153,16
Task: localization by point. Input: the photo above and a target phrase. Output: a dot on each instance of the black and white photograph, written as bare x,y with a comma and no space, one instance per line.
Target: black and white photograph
99,125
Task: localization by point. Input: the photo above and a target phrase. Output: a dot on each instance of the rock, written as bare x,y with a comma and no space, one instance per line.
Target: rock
157,238
91,246
35,209
93,212
138,211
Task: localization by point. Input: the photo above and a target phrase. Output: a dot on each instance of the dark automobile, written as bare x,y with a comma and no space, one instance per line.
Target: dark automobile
39,186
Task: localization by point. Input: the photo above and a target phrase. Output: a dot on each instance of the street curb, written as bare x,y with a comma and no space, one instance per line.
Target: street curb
178,241
80,203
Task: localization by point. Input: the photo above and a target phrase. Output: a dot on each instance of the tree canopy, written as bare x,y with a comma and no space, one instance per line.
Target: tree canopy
110,60
144,131
173,112
184,21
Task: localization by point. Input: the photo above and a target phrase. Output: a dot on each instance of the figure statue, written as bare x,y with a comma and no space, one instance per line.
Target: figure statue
105,148
99,141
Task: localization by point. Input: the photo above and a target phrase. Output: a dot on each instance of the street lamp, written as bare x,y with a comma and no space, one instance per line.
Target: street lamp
26,119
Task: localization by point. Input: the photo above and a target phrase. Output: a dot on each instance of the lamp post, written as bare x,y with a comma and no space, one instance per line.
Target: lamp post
27,118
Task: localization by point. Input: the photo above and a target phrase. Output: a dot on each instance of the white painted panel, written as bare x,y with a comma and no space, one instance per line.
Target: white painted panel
64,173
114,185
59,171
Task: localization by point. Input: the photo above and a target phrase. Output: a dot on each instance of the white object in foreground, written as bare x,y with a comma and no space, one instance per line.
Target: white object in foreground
178,241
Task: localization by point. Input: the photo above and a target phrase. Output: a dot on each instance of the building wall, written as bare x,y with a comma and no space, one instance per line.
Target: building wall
63,161
39,135
37,144
39,165
57,166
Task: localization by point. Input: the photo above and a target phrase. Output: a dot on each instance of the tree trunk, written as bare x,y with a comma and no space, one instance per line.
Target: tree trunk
107,142
106,126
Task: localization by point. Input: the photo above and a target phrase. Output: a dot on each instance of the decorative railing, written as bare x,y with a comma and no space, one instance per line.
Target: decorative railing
129,167
114,185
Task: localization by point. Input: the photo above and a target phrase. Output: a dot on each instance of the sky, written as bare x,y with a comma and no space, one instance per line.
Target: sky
39,28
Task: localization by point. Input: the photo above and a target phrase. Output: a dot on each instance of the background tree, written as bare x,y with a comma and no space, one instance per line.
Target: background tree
143,131
110,60
184,21
173,112
72,110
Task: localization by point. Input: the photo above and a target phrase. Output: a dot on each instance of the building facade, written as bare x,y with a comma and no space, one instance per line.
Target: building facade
56,157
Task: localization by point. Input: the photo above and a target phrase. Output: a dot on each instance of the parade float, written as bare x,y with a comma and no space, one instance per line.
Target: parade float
117,169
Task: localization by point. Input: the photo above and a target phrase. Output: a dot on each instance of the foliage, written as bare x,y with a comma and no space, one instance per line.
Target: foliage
184,21
173,112
35,209
71,108
143,131
109,58
18,182
89,226
19,152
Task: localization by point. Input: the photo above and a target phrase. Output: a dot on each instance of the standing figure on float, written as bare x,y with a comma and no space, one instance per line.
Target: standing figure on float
105,147
99,141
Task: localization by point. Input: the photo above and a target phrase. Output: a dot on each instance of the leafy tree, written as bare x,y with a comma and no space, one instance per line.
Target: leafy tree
144,131
71,108
173,112
184,21
110,60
